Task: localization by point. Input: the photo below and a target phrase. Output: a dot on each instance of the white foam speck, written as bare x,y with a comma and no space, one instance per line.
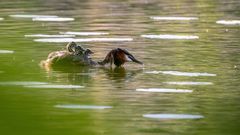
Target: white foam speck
153,72
179,37
189,83
33,16
1,19
60,40
173,116
164,90
228,22
22,83
53,19
85,33
55,40
50,36
55,86
40,85
173,18
177,73
82,107
6,51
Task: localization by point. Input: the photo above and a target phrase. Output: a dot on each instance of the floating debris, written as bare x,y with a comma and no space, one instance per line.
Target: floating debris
54,86
60,40
173,116
85,33
6,51
229,22
179,37
164,90
173,18
50,36
177,73
189,83
83,107
33,16
53,19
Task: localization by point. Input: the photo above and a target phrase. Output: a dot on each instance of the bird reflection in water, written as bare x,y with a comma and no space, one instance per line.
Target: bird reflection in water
76,63
120,76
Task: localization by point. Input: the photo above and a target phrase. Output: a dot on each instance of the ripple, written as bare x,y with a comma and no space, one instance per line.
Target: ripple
33,16
173,18
55,86
55,40
82,107
60,40
53,19
229,22
164,90
50,36
85,33
6,51
177,73
22,83
173,116
1,19
189,83
33,84
170,36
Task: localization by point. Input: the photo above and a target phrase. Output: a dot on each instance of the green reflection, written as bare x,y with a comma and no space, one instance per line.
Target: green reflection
31,111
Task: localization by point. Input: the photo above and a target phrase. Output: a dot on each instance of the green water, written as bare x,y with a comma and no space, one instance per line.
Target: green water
27,110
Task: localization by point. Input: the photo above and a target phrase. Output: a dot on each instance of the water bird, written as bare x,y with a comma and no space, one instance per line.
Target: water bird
73,54
119,56
77,55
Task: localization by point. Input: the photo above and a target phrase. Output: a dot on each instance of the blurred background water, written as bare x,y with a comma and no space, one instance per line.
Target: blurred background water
189,84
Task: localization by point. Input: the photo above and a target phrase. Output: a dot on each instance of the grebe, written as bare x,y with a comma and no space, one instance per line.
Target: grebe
119,56
77,55
74,55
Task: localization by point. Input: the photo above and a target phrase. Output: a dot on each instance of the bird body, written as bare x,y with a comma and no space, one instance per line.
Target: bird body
119,56
77,55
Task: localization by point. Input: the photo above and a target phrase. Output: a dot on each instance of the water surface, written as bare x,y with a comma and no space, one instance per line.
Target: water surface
191,46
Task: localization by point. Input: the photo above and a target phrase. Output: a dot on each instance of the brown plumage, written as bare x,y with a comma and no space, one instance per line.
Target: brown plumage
77,55
119,56
73,55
